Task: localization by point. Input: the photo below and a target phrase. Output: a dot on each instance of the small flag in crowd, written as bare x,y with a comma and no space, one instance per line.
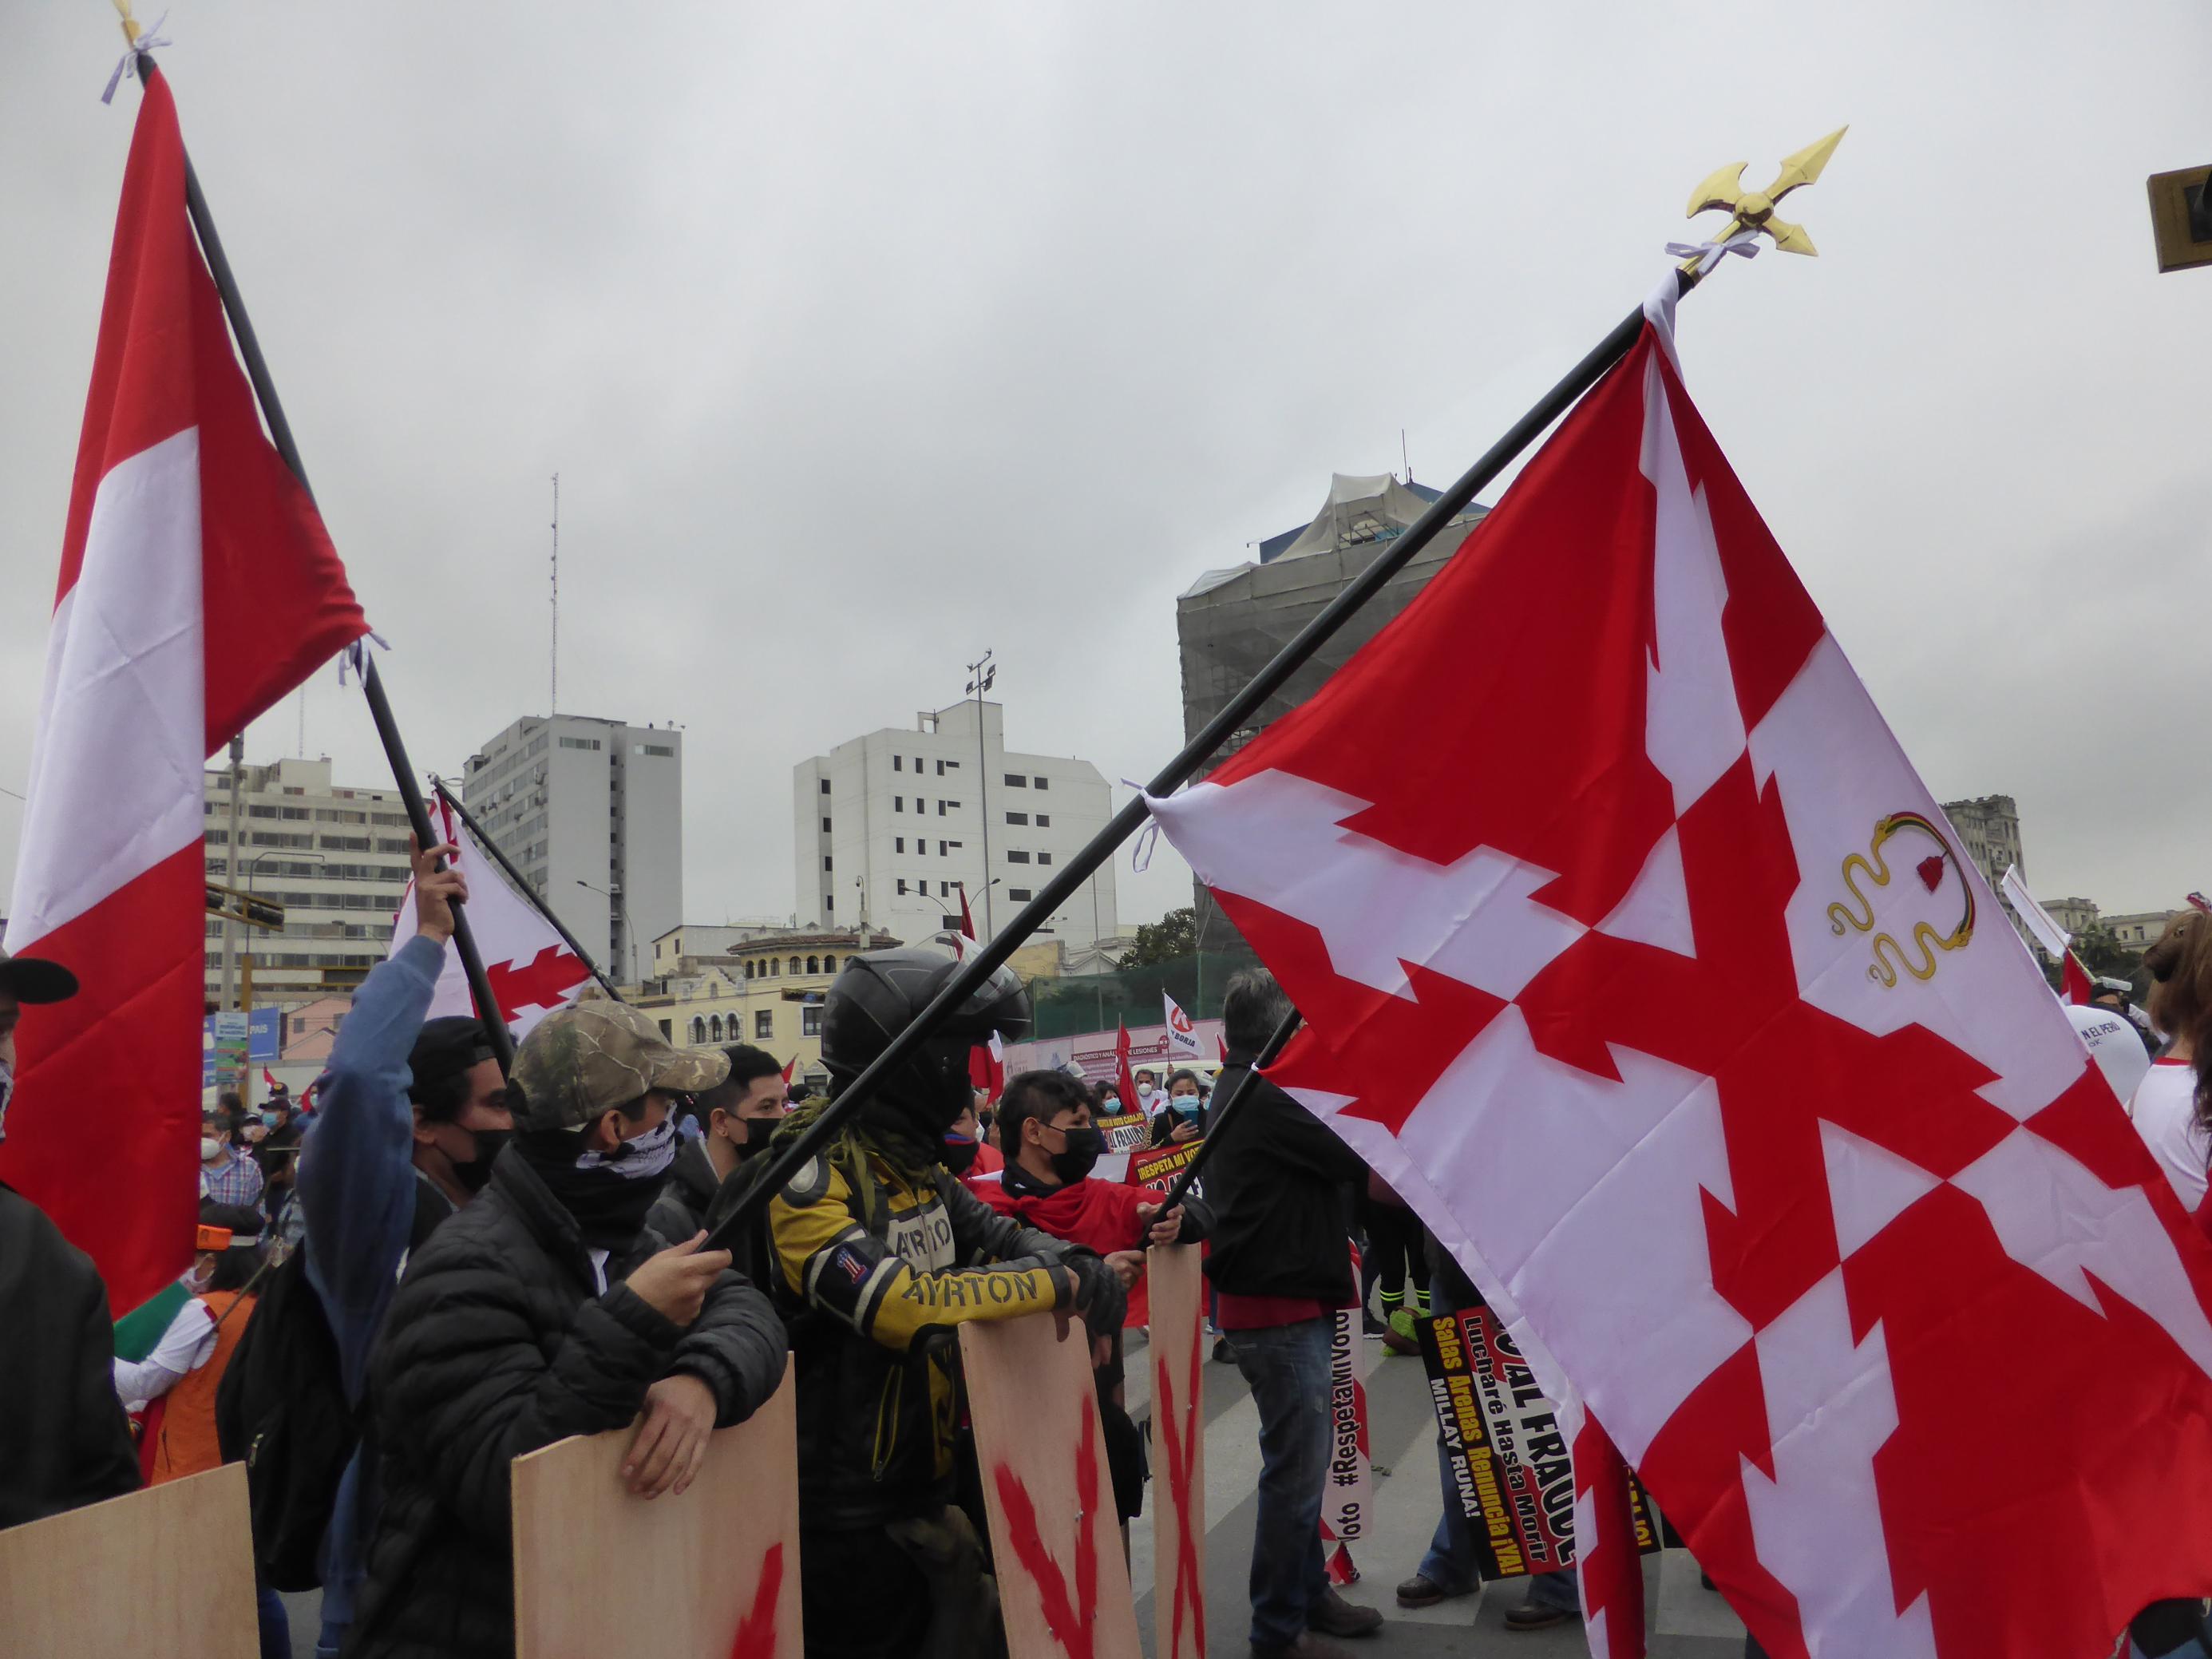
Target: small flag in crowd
1642,965
1182,1036
1123,1079
198,587
532,969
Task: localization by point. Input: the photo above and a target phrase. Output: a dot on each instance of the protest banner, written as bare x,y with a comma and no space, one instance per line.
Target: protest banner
1063,1581
1178,1446
1350,1494
166,1573
1158,1167
1124,1133
715,1571
1507,1450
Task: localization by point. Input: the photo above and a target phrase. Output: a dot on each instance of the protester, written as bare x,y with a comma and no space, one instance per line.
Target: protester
737,1114
1048,1185
1392,1264
1148,1093
1280,1191
1109,1100
882,1253
228,1174
2165,1106
64,1441
967,1153
188,1361
409,1117
548,1309
1184,1120
2119,996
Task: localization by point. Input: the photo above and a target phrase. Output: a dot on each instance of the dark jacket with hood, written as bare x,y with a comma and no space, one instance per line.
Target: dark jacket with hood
681,1209
500,1342
64,1441
1279,1188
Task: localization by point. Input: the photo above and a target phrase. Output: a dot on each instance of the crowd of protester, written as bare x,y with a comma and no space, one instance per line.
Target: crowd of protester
444,1267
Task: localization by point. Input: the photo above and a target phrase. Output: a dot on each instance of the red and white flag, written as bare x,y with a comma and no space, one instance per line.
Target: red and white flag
1636,957
532,969
1182,1036
967,915
2074,982
198,587
1123,1082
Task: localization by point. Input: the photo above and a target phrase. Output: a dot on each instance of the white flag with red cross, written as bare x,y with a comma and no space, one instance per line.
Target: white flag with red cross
1634,954
532,969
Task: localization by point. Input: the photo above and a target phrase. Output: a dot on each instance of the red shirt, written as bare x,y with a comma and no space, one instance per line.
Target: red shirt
1099,1215
1255,1313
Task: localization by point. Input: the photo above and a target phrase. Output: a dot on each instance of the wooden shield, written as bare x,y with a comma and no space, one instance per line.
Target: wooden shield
1178,1357
1055,1538
167,1573
711,1575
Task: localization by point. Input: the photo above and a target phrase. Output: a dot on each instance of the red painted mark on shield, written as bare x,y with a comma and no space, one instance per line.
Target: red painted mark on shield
756,1637
1070,1619
1179,1431
1931,872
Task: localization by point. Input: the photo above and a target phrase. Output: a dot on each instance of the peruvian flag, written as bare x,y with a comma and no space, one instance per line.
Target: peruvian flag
967,915
986,1066
532,969
198,587
1182,1036
1122,1080
1634,954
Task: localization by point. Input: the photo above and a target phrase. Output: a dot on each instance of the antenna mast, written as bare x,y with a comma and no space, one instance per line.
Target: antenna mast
554,699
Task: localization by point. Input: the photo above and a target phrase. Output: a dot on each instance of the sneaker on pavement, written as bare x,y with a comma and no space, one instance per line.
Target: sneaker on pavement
1423,1591
1403,1336
1535,1615
1308,1646
1335,1616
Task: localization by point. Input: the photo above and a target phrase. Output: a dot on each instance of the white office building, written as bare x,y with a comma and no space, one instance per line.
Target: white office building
591,812
889,827
335,857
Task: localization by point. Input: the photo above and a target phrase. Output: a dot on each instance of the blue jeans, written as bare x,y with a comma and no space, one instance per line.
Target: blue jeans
276,1624
1288,1369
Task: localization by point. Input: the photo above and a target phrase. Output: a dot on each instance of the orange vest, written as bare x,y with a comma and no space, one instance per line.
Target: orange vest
188,1443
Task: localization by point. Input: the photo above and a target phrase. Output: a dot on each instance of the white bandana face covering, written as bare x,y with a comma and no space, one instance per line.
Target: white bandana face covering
649,1154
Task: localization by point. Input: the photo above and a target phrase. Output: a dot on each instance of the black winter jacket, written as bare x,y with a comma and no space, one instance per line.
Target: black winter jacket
497,1343
681,1209
63,1440
1279,1187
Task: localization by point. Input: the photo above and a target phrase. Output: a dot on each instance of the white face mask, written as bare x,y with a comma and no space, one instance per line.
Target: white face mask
210,1150
1143,1091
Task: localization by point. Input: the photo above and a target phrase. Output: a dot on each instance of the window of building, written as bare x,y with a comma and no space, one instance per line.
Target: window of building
1016,780
920,848
1019,895
813,964
828,902
899,843
825,826
1018,817
794,964
714,1029
825,861
825,786
764,1023
828,965
749,970
665,751
666,1035
698,1029
917,762
580,743
1044,858
1018,857
1041,783
898,762
901,886
898,803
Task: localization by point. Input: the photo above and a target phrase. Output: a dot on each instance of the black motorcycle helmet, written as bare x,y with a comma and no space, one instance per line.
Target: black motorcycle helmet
877,995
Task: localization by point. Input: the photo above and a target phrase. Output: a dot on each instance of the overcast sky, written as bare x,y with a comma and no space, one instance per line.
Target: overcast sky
865,337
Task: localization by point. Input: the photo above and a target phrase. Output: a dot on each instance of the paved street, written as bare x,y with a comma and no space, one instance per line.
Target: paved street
1687,1621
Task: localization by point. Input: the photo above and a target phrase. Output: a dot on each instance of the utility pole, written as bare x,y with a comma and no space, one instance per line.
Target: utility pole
981,676
553,696
230,927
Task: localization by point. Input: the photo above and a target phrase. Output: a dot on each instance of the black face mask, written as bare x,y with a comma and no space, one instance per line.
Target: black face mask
475,1174
759,1131
959,1154
1083,1148
609,1208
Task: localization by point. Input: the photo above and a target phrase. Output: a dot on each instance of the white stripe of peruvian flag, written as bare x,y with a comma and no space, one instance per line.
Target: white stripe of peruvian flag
198,586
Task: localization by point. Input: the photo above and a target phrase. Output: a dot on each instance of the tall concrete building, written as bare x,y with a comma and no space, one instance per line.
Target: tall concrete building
889,827
591,812
1989,830
1234,619
335,857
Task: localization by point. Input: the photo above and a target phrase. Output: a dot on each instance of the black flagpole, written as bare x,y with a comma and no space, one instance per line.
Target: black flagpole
982,964
521,883
1219,1118
380,706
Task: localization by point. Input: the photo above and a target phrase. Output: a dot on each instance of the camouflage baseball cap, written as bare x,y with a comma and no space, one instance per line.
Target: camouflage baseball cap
589,1058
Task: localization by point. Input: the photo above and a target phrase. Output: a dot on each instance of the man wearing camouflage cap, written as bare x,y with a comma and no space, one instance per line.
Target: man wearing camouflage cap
547,1308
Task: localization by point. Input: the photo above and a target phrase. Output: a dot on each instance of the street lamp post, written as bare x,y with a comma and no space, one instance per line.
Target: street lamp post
981,676
629,927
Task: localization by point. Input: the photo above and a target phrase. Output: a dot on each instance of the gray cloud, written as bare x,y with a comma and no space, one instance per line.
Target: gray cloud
864,339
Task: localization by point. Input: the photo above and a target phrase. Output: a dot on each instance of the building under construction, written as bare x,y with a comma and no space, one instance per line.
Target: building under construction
1233,620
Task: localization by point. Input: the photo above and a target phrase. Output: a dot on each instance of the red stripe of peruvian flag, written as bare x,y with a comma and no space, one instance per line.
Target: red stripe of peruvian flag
198,586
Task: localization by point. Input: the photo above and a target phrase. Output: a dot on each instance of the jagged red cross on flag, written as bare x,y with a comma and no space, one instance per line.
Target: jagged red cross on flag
1636,956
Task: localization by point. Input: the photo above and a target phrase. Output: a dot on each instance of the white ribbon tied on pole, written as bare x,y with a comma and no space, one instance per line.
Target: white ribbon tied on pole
127,63
1709,254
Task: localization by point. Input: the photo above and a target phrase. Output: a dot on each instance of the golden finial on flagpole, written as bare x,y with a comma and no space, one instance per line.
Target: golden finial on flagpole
131,26
1754,210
